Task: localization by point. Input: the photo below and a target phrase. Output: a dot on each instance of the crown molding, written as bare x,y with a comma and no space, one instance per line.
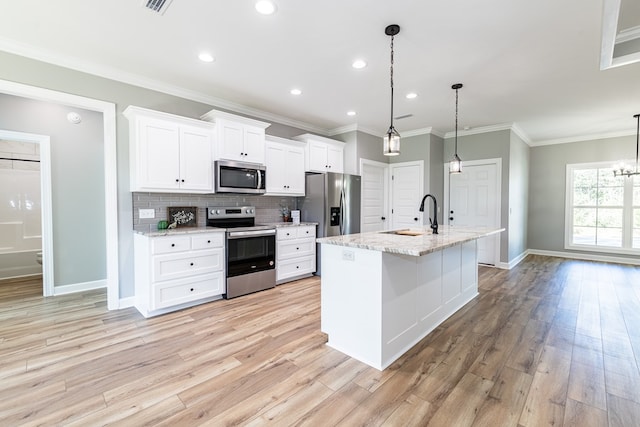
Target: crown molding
43,55
583,138
350,128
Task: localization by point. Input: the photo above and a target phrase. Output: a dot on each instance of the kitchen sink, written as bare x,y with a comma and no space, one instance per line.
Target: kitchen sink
404,232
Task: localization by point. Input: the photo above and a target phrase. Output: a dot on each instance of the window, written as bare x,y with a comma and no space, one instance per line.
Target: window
603,211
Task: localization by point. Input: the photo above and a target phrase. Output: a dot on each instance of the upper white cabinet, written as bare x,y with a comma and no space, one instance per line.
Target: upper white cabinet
322,154
285,167
169,153
238,138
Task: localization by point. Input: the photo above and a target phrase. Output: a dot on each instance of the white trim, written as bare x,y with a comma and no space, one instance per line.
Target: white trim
80,287
498,163
349,128
385,195
108,111
610,13
591,137
422,131
511,264
45,202
588,257
481,129
127,302
628,34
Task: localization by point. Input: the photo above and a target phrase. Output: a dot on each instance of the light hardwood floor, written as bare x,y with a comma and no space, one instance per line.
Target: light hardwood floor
551,342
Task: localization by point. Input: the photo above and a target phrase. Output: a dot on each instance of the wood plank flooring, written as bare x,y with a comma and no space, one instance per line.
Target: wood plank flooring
550,342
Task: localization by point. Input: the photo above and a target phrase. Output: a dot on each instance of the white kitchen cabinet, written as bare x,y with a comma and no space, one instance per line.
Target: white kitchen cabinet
295,252
238,138
178,270
322,154
284,160
169,153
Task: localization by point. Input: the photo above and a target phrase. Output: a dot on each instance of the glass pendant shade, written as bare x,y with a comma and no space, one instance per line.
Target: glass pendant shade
455,165
391,142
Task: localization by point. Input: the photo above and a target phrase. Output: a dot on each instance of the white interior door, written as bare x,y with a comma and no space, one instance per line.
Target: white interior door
474,202
406,193
374,195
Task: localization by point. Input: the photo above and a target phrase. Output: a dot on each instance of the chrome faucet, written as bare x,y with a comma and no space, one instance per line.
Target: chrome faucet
434,223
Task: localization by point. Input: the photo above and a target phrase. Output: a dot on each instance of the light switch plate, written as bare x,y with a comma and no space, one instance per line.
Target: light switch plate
146,213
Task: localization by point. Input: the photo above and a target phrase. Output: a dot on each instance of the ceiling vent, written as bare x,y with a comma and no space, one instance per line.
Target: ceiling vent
159,6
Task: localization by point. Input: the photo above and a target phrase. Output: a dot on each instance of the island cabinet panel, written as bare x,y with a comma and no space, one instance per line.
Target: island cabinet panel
377,305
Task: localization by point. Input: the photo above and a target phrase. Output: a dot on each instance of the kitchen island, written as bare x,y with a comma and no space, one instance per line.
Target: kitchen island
382,292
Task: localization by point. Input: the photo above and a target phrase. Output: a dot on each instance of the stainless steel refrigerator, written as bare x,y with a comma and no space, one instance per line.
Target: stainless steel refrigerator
333,201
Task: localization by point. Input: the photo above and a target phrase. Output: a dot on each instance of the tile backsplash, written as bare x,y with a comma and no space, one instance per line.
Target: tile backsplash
268,208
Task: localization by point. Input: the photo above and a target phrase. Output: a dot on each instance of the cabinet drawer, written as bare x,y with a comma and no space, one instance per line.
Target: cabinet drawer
295,248
182,291
285,233
295,267
167,267
206,241
170,244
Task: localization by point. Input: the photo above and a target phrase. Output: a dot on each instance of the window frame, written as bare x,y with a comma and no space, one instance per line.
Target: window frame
627,216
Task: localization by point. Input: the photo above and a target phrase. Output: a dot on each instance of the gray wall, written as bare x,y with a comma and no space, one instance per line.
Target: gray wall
547,185
436,173
489,145
518,196
35,73
78,199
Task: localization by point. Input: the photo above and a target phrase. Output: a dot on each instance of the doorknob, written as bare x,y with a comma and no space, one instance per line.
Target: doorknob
415,219
383,218
450,218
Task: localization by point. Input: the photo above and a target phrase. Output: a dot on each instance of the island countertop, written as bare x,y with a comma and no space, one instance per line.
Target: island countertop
417,245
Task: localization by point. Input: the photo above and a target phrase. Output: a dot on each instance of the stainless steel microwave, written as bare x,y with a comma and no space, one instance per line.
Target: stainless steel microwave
239,177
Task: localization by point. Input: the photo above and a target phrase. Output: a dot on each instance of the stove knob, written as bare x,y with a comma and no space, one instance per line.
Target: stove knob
217,212
250,211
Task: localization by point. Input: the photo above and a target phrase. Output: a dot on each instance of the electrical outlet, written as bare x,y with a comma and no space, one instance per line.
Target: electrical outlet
147,213
348,255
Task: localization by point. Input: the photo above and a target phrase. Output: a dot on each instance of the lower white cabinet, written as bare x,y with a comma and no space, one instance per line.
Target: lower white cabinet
295,252
177,271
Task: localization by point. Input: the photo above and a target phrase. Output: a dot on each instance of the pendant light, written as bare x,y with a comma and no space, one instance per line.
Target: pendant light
623,170
455,165
391,141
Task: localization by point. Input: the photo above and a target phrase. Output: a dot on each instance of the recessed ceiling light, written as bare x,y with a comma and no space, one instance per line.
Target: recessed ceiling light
358,64
412,95
296,92
205,57
351,113
265,7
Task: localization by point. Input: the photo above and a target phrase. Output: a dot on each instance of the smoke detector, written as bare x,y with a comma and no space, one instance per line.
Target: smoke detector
159,6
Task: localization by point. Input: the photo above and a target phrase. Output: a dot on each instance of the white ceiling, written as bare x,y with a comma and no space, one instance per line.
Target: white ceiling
534,64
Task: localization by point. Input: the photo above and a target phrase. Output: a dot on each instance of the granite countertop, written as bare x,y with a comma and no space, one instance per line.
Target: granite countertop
195,230
411,245
288,224
178,231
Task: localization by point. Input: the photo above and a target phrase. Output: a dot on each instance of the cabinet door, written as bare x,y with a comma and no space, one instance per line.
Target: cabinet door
230,140
275,163
254,145
335,159
293,168
158,155
195,159
317,157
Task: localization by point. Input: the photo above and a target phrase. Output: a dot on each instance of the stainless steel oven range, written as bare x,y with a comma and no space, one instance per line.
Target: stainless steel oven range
250,250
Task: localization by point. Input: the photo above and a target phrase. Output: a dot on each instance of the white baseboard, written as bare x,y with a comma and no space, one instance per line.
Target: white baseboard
127,302
79,287
587,257
509,265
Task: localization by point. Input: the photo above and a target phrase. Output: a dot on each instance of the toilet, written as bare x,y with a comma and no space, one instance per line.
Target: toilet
39,258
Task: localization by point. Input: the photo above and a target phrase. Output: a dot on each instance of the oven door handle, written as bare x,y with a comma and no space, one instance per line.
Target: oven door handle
259,180
255,233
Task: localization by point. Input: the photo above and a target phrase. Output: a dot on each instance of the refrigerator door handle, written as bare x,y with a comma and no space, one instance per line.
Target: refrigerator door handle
343,206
